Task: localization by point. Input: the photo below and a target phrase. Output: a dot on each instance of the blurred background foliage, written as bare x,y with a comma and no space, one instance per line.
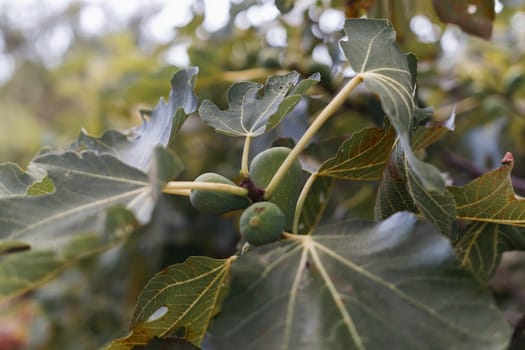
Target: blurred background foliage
67,65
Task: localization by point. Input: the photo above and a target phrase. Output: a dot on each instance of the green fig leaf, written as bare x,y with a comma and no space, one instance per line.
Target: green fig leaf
86,184
374,55
358,285
498,220
185,295
72,221
249,113
135,146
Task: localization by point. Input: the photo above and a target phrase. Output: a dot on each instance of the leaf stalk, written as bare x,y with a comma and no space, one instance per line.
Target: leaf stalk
245,155
301,200
178,187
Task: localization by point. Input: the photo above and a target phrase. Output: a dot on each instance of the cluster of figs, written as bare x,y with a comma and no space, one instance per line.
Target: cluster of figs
262,221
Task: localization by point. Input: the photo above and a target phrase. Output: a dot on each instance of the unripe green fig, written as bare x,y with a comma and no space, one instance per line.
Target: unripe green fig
262,223
265,165
216,202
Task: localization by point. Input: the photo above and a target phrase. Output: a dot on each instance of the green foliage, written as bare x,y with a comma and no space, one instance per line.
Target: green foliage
490,203
373,53
183,295
251,115
87,183
357,281
413,278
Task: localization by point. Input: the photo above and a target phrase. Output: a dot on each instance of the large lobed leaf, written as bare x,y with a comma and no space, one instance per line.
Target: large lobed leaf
182,295
76,203
358,285
250,114
72,221
82,201
85,184
498,219
135,146
374,55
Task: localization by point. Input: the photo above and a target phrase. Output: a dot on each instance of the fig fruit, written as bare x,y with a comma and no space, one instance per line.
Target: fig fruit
262,223
264,166
216,202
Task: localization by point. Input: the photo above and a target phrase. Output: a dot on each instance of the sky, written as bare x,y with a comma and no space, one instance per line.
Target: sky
99,16
26,15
